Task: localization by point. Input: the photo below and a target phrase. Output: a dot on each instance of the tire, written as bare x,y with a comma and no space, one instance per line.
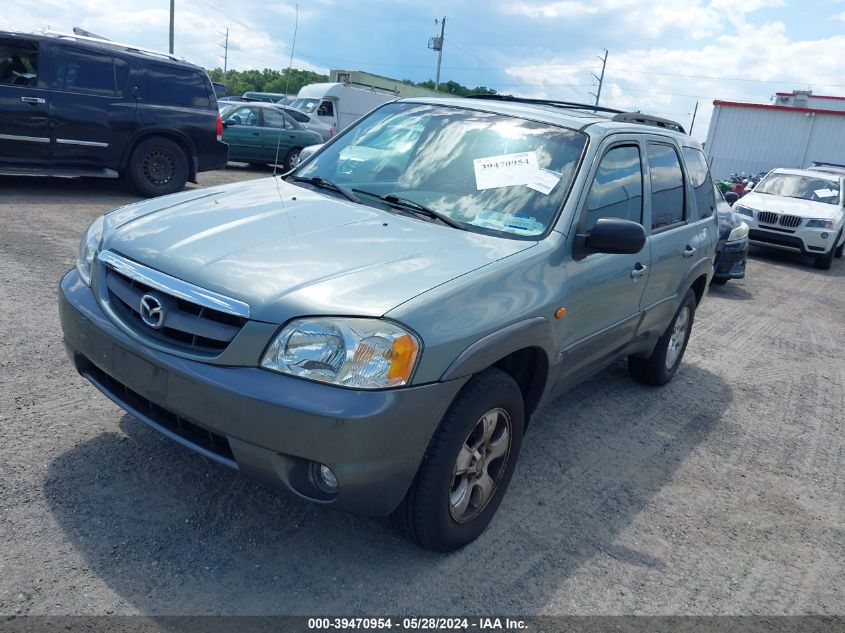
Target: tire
839,249
292,159
719,281
660,367
158,166
444,509
824,262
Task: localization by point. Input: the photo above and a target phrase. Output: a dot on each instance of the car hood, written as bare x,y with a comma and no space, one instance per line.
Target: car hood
790,206
287,251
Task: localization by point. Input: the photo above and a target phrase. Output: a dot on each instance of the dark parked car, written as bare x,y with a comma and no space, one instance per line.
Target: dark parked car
732,248
264,134
81,106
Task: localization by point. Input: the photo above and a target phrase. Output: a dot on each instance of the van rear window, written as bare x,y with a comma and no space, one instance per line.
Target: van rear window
177,86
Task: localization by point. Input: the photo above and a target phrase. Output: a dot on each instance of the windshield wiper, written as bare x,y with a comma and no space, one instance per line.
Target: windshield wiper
322,183
414,207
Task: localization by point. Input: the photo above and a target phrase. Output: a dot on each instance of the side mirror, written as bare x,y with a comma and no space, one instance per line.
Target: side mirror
610,235
731,197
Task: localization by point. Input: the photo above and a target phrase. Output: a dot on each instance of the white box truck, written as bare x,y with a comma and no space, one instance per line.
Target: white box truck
339,104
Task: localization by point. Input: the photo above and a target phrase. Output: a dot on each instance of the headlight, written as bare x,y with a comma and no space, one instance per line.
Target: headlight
821,224
738,208
739,232
88,249
362,353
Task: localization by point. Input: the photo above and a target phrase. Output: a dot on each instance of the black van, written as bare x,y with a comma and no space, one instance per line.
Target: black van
80,106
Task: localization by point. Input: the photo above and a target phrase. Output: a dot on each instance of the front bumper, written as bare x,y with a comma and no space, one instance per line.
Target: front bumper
269,426
731,259
808,241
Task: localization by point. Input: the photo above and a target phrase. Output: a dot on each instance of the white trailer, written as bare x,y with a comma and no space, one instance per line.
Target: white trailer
339,104
796,131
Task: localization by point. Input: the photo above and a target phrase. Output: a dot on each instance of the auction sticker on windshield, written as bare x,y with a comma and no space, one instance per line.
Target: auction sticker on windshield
506,170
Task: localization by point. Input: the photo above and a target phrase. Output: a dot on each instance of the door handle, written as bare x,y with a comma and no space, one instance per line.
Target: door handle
33,100
689,251
638,271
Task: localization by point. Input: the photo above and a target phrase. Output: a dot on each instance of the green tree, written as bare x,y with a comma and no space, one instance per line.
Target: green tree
267,80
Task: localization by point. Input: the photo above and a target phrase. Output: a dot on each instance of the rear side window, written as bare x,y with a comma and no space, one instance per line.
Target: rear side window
667,186
81,71
699,174
274,118
18,63
617,189
177,86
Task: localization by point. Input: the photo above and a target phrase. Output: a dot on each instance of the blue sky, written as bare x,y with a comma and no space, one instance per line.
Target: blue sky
664,54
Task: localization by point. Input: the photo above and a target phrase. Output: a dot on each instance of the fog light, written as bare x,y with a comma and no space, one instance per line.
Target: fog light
325,478
824,236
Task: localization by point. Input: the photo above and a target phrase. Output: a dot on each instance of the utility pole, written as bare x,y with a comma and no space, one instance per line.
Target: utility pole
225,47
292,46
172,14
600,79
436,44
691,125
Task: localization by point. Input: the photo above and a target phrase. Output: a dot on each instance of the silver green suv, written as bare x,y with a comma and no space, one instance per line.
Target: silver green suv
374,330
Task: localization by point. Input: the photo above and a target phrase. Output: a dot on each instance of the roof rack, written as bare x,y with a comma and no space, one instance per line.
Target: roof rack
619,115
648,119
104,42
552,102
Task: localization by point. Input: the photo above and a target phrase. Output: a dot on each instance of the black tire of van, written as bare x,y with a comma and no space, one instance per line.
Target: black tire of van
158,166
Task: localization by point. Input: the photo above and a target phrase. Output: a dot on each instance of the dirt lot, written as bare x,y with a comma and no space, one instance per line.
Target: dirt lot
722,493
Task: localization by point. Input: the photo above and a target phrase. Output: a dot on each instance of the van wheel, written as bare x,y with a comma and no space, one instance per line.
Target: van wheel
467,467
292,159
158,166
660,367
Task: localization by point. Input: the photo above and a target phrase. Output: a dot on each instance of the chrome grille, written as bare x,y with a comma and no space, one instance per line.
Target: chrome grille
186,325
790,221
767,217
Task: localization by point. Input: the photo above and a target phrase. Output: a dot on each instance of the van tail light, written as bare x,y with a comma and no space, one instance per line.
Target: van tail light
331,132
219,128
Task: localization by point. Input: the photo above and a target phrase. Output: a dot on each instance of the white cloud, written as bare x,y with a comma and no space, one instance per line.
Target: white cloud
627,19
648,79
197,31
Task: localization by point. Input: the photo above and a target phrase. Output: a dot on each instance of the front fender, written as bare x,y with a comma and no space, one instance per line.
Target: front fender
535,333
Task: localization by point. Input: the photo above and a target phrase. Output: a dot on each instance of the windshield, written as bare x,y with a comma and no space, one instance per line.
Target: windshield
803,187
305,105
488,172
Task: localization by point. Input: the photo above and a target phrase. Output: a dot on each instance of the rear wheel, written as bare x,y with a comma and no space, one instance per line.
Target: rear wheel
292,159
660,367
158,166
467,467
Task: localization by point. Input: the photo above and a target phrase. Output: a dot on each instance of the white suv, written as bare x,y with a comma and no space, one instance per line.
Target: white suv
798,210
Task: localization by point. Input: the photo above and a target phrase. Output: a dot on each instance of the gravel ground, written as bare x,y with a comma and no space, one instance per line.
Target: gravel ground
721,493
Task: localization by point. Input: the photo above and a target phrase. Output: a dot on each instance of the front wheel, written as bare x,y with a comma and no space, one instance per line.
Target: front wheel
660,367
158,166
467,467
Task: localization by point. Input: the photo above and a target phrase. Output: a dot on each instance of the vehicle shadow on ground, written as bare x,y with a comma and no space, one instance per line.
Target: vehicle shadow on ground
731,290
114,191
174,533
797,260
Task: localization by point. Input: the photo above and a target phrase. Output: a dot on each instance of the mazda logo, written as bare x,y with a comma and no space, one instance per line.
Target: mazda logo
152,311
